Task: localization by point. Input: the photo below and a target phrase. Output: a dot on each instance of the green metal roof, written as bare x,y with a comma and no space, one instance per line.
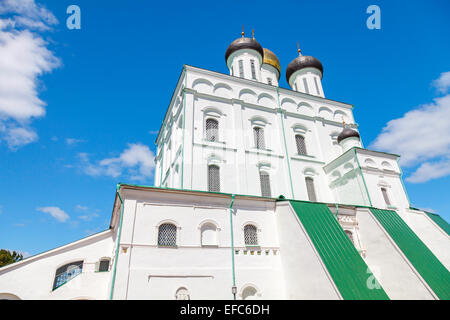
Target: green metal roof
429,267
343,262
439,221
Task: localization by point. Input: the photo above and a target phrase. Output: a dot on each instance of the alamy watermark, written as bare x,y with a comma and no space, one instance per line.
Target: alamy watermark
74,20
374,20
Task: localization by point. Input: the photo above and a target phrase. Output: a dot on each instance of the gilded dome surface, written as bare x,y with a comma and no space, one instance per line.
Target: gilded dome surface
271,59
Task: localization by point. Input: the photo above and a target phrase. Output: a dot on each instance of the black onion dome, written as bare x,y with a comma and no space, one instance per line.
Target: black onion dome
347,133
303,62
244,43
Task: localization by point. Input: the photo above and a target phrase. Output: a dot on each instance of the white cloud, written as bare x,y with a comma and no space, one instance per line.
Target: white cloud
443,82
24,57
72,141
421,137
55,212
430,170
136,162
79,207
26,13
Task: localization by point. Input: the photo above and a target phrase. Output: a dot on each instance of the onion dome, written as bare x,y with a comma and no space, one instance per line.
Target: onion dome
271,59
347,133
303,62
243,43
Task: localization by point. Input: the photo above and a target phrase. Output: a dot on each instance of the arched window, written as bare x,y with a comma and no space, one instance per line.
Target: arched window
182,294
385,196
213,178
208,234
249,293
252,66
258,134
265,184
310,189
103,265
212,130
167,235
349,235
301,147
250,235
241,68
67,272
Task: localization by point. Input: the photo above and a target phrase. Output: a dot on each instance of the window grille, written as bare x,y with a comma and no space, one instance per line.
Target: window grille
167,235
212,130
350,235
252,65
265,184
241,69
259,137
250,235
310,189
301,147
317,86
103,266
213,178
67,272
385,196
306,85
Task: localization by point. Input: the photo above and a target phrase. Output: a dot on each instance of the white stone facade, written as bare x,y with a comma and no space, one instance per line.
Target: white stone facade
178,241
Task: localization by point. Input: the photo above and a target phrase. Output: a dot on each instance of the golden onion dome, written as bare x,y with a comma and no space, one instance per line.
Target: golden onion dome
271,59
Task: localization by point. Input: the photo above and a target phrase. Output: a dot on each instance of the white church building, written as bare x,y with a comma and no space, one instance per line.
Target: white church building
260,192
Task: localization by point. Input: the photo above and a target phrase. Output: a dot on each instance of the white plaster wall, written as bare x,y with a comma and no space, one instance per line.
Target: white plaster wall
147,271
397,277
433,236
33,277
305,276
245,55
308,74
268,71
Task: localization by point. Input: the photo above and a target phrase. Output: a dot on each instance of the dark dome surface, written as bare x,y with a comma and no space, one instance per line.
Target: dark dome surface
347,133
303,62
244,43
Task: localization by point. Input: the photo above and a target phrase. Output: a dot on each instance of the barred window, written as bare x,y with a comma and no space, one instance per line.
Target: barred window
67,272
104,265
349,235
167,235
212,130
310,189
301,146
213,178
305,84
250,235
241,69
259,137
252,66
317,86
385,196
265,184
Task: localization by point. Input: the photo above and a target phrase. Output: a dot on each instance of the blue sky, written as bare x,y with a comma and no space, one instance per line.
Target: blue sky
80,109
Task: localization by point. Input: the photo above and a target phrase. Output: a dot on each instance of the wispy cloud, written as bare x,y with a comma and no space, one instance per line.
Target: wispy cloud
55,212
24,56
79,207
136,163
73,141
422,138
